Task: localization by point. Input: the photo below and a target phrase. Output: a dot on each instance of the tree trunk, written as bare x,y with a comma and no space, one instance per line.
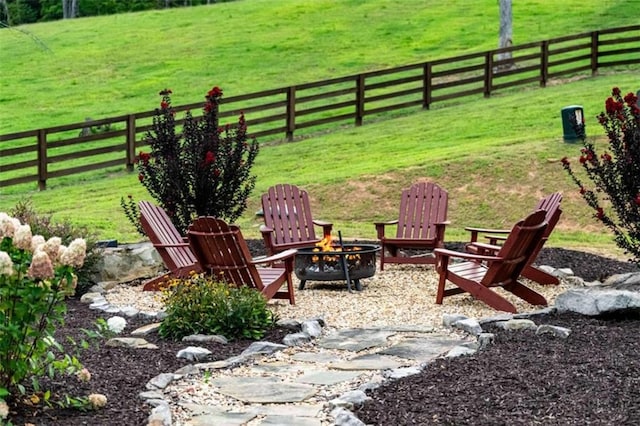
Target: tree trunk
69,9
506,31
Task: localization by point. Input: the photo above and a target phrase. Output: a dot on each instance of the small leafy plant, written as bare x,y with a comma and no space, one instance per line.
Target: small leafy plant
36,275
202,305
614,174
202,170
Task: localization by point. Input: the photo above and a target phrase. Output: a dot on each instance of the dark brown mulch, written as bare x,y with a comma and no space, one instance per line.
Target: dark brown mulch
591,378
121,374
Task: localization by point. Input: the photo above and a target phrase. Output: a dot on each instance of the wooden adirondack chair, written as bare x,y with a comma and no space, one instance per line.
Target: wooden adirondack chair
479,273
288,222
223,252
420,225
171,246
551,204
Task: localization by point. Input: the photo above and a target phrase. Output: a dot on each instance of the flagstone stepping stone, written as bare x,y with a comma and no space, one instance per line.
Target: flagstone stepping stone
318,358
227,419
263,389
324,377
290,420
421,348
355,340
368,362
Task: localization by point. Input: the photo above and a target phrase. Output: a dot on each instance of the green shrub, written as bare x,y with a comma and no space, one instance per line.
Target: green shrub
614,174
200,305
43,224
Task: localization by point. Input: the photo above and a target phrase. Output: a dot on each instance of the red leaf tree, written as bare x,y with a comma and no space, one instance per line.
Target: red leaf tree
614,194
203,171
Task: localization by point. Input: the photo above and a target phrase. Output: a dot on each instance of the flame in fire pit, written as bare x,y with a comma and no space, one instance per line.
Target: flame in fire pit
327,245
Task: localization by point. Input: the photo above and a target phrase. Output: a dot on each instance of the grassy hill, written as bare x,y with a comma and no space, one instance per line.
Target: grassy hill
62,72
496,156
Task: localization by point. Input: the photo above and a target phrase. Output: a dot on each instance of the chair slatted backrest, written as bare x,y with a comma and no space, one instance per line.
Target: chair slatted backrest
421,206
223,252
551,204
165,237
517,249
286,210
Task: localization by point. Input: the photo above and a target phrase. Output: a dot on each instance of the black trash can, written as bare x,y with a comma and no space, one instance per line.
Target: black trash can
571,115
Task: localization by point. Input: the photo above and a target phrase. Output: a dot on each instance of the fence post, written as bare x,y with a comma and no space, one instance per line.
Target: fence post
544,63
594,52
131,141
427,75
360,82
291,112
42,159
488,73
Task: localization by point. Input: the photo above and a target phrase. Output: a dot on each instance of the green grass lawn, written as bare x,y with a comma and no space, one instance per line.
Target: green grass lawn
496,156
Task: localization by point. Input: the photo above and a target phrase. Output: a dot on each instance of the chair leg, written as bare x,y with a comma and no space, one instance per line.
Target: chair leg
154,283
292,299
539,276
526,294
441,284
485,294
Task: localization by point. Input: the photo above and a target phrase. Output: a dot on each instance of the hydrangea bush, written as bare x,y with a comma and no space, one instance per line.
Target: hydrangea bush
614,194
202,170
36,275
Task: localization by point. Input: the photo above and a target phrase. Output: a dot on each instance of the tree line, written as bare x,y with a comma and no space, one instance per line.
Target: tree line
17,12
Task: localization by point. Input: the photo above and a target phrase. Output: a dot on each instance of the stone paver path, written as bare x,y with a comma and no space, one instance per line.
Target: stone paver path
297,391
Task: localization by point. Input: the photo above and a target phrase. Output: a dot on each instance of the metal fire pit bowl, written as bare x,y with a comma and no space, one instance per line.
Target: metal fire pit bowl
328,265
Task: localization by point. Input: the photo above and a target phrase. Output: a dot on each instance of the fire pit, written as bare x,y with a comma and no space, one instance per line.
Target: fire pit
328,264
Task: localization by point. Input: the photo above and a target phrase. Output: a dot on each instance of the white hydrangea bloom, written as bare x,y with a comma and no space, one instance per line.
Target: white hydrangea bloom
52,248
4,409
41,266
74,254
97,400
8,225
22,237
6,265
36,242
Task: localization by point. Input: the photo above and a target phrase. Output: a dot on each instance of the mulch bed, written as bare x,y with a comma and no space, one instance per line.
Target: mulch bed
591,378
592,375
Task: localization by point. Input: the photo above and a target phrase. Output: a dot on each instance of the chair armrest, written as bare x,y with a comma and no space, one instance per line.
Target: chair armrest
493,239
326,227
482,248
265,229
439,252
475,231
275,258
381,225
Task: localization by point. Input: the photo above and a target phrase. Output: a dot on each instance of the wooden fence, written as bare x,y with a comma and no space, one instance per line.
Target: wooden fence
296,111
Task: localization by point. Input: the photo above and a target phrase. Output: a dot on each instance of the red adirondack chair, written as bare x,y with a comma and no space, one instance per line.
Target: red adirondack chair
171,246
551,204
479,273
223,252
420,225
288,222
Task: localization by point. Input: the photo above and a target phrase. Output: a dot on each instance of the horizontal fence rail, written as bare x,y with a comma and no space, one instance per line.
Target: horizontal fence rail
296,111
